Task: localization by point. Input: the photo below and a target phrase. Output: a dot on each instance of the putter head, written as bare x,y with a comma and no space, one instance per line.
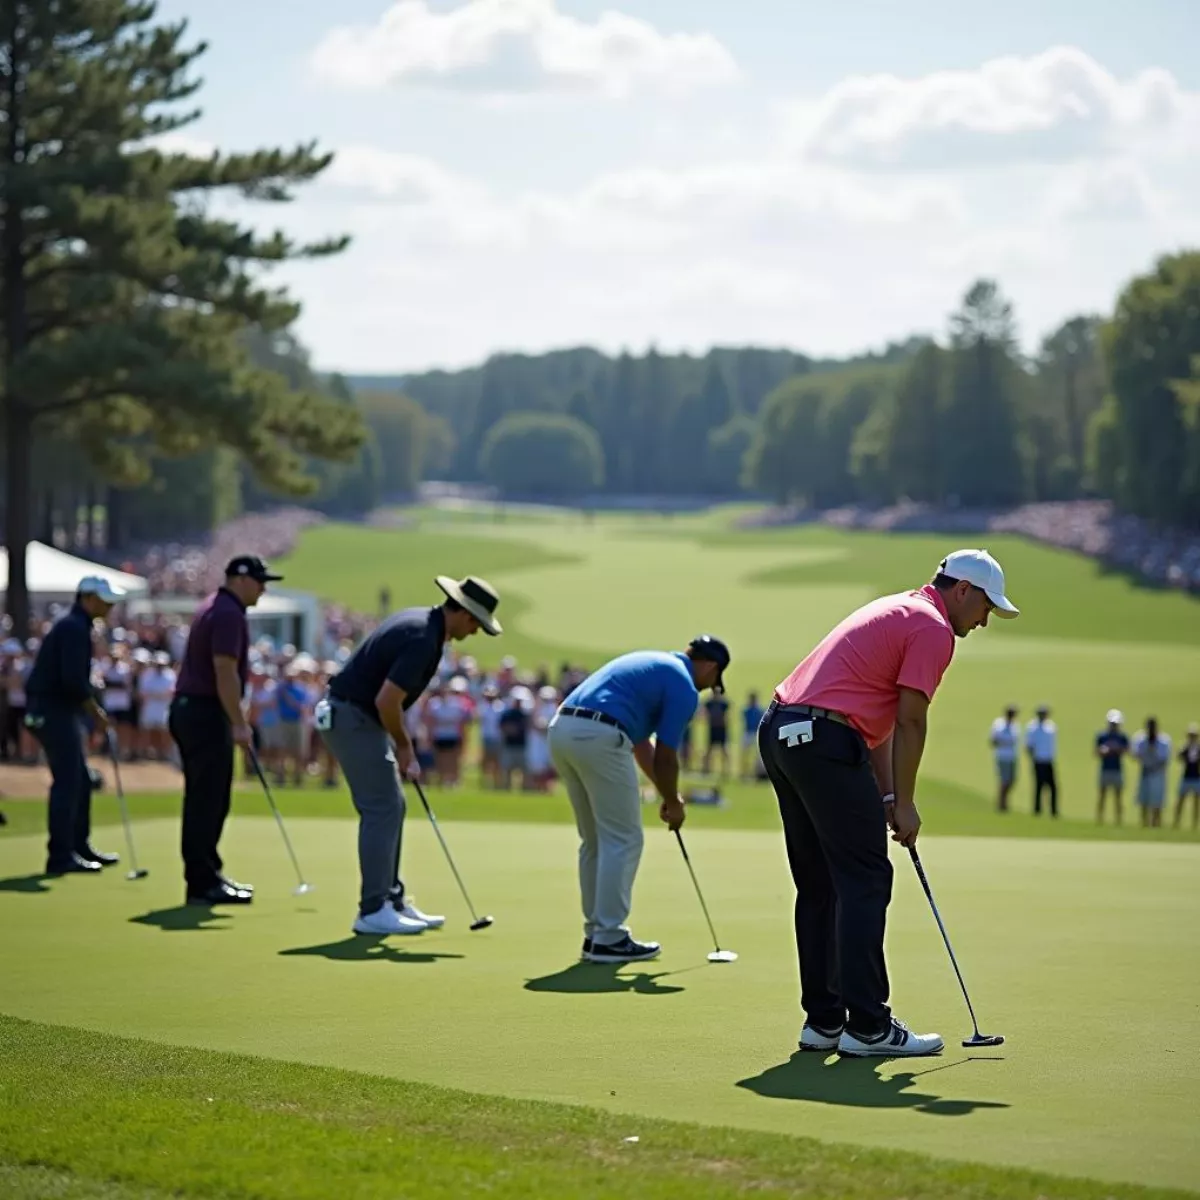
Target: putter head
983,1039
304,889
482,923
723,956
141,873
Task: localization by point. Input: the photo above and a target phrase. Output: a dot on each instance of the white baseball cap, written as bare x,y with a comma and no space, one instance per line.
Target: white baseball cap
96,585
1115,716
981,569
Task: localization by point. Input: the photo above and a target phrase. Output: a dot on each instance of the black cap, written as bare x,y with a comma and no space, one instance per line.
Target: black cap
252,567
707,648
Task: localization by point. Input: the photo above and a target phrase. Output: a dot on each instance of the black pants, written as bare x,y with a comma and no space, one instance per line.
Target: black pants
69,813
201,731
836,835
1043,777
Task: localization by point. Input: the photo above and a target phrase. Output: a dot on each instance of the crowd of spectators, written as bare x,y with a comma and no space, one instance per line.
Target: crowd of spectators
1166,558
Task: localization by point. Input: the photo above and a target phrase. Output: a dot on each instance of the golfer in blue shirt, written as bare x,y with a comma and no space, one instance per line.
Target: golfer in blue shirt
598,734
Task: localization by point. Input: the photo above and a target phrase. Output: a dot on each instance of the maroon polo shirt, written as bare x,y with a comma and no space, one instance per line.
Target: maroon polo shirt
219,627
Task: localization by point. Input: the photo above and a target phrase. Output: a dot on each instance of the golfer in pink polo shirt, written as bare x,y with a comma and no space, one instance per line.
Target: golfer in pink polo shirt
841,742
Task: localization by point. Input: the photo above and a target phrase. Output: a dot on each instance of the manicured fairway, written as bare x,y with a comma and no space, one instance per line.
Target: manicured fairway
582,591
1086,956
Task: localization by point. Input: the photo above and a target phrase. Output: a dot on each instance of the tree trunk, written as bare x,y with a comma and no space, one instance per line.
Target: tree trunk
18,419
45,533
18,515
114,520
89,519
1074,427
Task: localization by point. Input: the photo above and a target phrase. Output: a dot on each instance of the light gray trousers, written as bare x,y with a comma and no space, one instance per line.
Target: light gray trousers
364,752
596,764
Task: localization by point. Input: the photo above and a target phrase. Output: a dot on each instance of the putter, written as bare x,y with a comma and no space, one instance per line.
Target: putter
718,955
135,872
977,1039
303,887
477,922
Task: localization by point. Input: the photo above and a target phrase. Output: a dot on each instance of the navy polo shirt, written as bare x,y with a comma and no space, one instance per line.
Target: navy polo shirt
61,676
406,648
648,692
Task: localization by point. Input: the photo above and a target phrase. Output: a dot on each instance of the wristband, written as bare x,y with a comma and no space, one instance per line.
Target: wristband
890,798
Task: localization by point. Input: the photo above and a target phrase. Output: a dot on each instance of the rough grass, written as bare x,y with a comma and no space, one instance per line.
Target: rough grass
86,1115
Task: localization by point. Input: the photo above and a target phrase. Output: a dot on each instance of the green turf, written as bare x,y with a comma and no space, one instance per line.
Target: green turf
948,808
358,1137
294,1132
1086,956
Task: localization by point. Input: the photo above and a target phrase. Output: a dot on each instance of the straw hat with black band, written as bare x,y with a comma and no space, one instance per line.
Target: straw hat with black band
477,596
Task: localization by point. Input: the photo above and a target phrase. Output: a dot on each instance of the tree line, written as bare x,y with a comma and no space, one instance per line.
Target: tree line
1108,406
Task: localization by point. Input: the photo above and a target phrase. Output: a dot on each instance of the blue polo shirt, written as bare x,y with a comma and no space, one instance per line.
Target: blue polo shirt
648,691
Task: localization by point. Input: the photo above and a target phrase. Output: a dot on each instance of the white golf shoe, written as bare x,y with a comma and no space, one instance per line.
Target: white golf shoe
898,1041
386,921
412,913
824,1040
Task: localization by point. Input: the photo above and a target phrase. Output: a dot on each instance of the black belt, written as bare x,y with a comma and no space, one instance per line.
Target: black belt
590,714
809,710
371,713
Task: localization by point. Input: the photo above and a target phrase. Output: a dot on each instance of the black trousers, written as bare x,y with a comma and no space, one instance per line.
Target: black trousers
836,834
201,731
69,813
1044,778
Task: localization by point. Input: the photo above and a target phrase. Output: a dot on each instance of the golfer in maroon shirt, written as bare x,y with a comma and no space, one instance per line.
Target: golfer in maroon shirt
841,742
207,719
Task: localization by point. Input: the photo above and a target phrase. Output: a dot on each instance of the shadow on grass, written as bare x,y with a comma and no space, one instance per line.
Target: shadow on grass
596,978
363,948
855,1083
25,883
182,917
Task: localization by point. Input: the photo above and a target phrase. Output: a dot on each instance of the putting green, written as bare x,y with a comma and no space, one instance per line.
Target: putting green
1085,955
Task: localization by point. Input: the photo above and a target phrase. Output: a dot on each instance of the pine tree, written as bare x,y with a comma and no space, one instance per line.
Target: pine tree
122,304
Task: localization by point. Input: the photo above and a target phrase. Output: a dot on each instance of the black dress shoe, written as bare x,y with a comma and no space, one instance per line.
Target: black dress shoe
98,856
220,893
72,866
237,887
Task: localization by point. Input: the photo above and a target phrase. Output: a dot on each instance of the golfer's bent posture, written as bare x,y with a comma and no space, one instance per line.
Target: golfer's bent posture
842,740
208,718
600,730
361,719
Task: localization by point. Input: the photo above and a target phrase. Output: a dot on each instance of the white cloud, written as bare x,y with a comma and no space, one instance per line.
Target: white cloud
1113,190
519,47
179,142
1057,106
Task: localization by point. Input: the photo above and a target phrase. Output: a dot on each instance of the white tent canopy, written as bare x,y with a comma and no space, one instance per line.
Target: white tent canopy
54,575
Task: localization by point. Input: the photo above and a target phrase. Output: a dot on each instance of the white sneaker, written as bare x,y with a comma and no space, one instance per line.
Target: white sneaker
812,1038
898,1042
385,921
413,913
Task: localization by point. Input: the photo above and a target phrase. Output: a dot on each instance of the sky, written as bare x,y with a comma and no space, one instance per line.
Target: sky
522,175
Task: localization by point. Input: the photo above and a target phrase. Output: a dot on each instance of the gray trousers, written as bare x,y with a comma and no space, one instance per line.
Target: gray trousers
596,764
364,752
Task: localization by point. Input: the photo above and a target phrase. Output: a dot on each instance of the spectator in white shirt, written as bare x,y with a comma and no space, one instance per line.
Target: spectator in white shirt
1153,750
1041,740
1005,741
156,686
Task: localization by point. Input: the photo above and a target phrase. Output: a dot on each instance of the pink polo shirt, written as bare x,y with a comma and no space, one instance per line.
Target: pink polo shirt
905,640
